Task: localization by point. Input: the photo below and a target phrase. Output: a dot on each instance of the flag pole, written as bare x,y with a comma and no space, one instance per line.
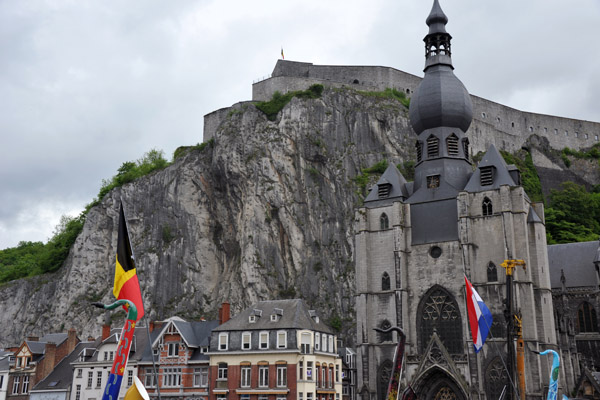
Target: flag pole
154,370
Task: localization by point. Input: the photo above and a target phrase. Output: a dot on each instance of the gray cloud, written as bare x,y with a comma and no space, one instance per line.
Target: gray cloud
88,85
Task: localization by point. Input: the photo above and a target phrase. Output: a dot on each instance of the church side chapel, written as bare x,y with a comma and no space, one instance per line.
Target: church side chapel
415,242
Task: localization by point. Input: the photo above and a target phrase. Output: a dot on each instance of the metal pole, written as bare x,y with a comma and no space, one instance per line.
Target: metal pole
154,370
510,361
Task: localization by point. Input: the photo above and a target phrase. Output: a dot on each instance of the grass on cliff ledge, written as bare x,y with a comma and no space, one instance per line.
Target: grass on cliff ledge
272,107
390,93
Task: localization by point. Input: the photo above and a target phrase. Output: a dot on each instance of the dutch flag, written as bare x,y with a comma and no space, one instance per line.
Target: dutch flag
480,317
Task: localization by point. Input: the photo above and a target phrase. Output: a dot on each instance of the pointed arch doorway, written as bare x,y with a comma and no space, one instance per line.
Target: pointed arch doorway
438,385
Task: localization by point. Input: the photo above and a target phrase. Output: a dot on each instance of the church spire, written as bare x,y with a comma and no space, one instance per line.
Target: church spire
437,41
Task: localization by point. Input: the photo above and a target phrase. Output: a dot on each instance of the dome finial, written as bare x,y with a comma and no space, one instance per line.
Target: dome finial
436,20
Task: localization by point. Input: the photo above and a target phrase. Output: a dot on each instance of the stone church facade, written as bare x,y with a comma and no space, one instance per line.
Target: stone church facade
415,242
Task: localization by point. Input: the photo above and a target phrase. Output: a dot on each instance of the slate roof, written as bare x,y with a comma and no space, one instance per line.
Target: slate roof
56,338
4,364
194,333
577,262
296,315
36,347
394,178
61,376
501,174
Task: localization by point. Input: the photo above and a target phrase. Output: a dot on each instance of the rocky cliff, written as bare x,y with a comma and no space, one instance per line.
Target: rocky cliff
265,211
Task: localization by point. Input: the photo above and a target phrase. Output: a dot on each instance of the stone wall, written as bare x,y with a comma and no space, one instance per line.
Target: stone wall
493,123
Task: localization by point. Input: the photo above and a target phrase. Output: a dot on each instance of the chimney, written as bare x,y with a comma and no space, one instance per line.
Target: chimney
33,338
72,340
106,326
151,326
224,313
50,360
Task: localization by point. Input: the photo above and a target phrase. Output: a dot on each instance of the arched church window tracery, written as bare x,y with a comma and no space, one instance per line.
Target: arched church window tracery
385,337
492,272
384,222
486,206
496,378
587,320
385,281
439,311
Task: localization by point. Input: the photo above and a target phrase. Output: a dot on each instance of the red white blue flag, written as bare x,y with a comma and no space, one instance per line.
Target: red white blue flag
480,317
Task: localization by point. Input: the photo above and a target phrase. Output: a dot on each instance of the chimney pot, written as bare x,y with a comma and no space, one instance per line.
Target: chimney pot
224,313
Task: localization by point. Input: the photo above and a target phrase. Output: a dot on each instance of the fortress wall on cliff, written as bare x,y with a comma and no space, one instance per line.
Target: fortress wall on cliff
493,123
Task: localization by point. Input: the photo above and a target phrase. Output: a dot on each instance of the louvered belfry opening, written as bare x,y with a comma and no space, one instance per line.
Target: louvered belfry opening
419,148
487,176
383,190
433,147
452,145
465,144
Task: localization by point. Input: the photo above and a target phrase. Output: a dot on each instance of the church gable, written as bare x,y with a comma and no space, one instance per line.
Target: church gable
391,186
491,173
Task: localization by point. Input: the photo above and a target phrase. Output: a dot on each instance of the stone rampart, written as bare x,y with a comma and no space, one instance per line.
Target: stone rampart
493,123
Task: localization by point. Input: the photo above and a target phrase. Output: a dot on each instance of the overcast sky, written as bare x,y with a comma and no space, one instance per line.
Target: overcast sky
86,85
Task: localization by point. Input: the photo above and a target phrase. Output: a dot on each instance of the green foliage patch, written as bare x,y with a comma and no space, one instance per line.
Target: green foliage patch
183,150
389,93
529,176
272,107
363,179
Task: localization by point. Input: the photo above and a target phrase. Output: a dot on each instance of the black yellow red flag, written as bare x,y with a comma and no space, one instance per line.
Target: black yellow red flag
127,285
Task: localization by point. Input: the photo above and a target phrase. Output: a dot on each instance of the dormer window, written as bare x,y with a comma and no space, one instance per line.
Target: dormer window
487,175
252,319
383,190
433,147
274,317
452,145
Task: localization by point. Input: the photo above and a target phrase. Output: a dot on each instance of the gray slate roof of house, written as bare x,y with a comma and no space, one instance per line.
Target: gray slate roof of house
501,175
577,262
61,376
56,338
4,364
36,347
296,315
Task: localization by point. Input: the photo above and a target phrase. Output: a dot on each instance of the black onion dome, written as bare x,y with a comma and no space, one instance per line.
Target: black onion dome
440,100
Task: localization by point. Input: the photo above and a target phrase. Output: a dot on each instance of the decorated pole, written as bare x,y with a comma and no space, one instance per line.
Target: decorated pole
113,386
393,392
553,385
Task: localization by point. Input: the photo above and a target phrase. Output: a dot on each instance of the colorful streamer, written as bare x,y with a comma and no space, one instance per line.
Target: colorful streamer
553,387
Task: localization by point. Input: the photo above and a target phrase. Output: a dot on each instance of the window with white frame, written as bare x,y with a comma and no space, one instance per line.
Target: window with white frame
246,375
106,356
129,378
222,371
282,376
264,340
317,341
98,379
150,379
309,396
201,377
331,344
111,355
172,377
305,343
263,397
1,381
79,372
221,397
309,369
324,342
300,370
173,349
78,392
246,341
90,379
337,373
16,384
223,341
330,376
281,339
263,376
25,387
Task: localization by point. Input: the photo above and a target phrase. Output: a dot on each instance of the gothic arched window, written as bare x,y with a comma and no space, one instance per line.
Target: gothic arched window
385,337
452,145
586,318
383,378
385,281
384,222
433,146
439,311
486,207
496,379
492,272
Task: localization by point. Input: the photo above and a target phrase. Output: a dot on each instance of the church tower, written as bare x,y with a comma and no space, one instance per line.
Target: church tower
415,242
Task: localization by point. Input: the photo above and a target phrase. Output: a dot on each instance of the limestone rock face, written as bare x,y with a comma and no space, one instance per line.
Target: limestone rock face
265,212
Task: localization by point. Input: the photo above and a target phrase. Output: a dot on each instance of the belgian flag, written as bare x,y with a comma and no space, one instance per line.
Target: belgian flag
127,285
